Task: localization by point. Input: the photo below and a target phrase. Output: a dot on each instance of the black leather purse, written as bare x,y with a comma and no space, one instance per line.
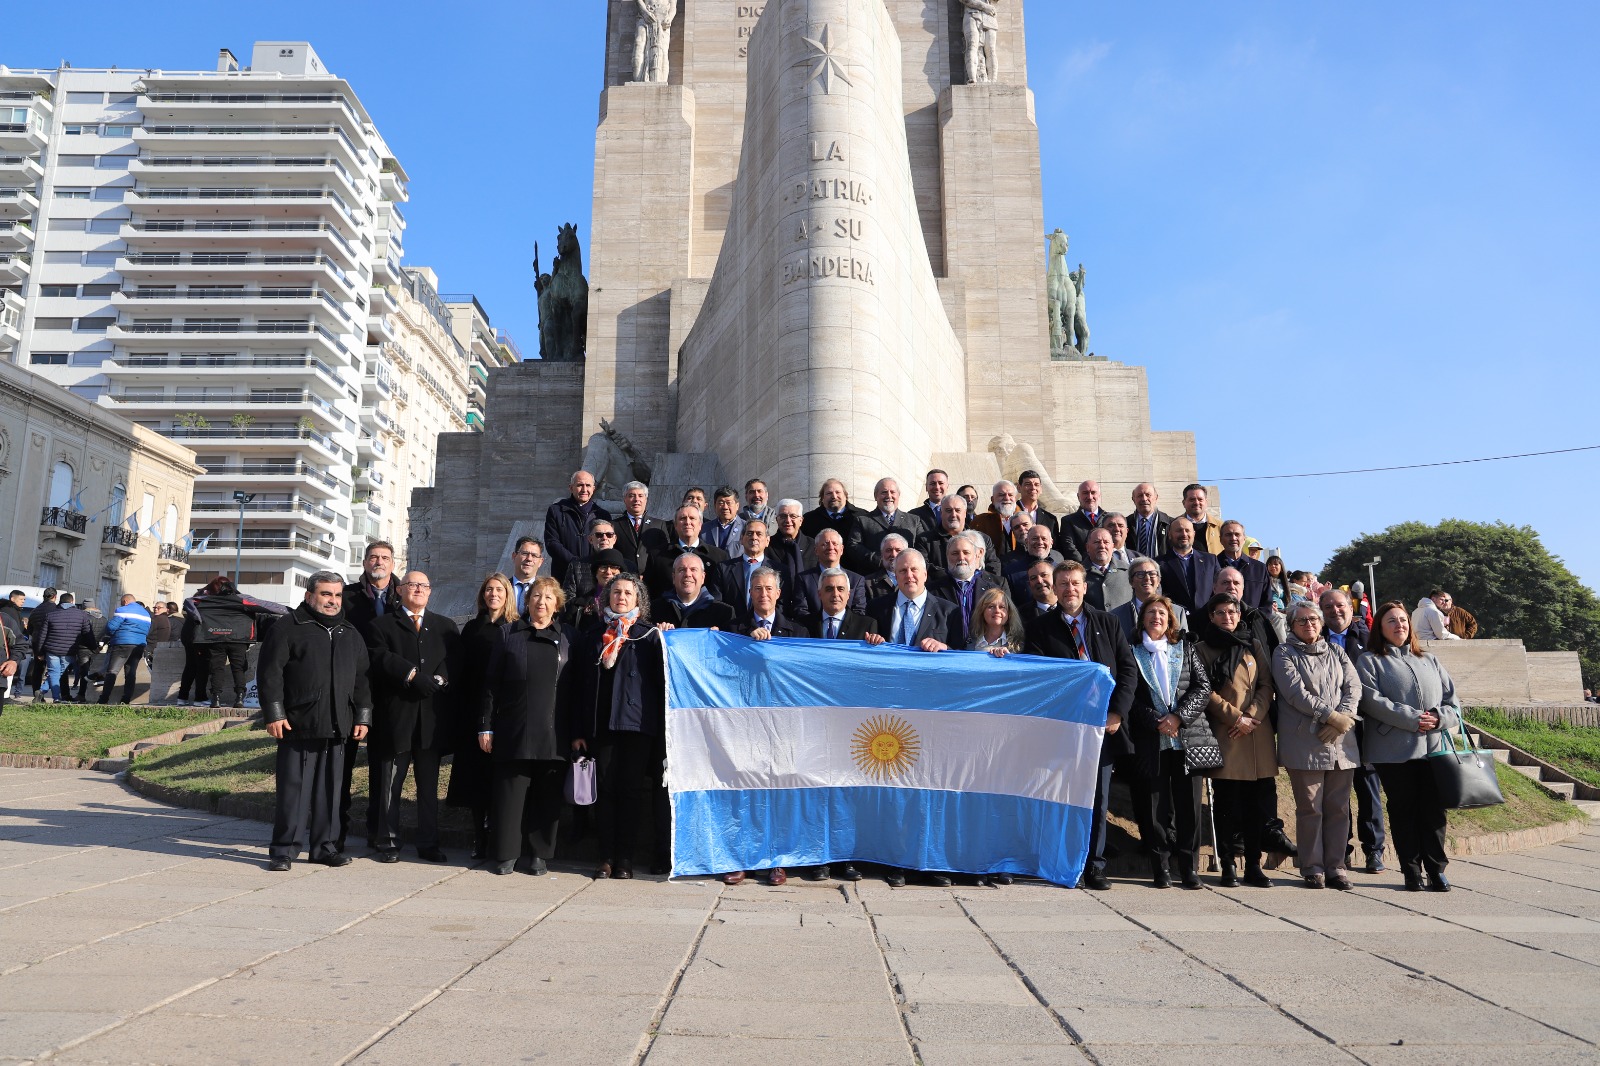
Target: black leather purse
1465,776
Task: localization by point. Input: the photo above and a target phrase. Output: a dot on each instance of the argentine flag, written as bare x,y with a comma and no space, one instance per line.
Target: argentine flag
803,752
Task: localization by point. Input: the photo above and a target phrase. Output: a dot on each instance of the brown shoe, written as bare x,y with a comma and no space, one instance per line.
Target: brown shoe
776,877
604,872
734,878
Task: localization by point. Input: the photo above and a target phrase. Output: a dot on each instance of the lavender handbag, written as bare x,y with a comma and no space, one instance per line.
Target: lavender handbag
580,781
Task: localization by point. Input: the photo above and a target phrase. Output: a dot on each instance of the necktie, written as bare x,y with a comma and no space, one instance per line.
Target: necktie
635,526
966,606
831,630
764,623
417,621
1146,545
907,630
1077,638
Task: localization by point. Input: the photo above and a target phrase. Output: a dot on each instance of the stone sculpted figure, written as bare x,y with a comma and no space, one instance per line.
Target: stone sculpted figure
1014,458
652,39
1062,295
614,460
563,301
1080,320
982,29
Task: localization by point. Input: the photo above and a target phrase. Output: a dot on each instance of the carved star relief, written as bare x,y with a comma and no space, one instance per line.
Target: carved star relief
828,66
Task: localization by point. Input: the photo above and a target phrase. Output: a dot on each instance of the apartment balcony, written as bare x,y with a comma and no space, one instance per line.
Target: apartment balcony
320,517
39,98
263,547
20,168
392,181
320,138
11,306
206,301
368,478
299,476
475,420
28,136
370,447
15,267
15,234
380,328
173,558
254,436
220,267
380,301
386,269
180,202
160,336
257,404
172,107
18,203
265,237
121,539
64,522
132,368
302,169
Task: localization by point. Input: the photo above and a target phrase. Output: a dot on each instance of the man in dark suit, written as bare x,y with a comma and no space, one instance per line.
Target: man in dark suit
409,652
1036,592
861,546
1085,520
833,511
882,583
637,534
1037,546
788,546
373,595
1147,526
686,525
935,544
723,526
764,618
688,604
1075,630
1186,574
1108,582
1254,570
912,616
732,578
1145,578
964,582
566,524
1342,627
579,582
1029,486
935,486
805,599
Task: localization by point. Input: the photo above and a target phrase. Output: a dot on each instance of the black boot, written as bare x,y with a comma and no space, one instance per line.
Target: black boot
1159,877
1187,876
1277,840
1254,876
480,843
1229,877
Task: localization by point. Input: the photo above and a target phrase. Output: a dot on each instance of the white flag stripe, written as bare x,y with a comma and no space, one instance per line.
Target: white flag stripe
717,748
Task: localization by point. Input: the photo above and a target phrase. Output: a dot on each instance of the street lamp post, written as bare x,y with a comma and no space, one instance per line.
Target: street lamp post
1372,579
242,498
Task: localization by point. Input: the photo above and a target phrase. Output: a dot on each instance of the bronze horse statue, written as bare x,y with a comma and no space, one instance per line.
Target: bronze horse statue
563,301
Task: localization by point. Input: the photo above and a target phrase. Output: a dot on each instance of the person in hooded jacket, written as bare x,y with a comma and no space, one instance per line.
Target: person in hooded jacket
518,716
314,696
228,623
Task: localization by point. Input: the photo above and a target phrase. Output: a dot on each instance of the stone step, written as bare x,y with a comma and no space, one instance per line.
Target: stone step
1589,807
1565,789
1533,773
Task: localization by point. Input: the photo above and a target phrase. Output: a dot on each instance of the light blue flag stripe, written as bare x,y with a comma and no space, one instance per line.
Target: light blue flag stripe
710,669
961,832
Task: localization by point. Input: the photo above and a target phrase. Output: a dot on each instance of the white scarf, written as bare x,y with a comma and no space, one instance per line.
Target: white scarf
1159,651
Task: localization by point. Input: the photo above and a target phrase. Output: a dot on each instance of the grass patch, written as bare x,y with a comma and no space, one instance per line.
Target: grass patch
87,731
1575,749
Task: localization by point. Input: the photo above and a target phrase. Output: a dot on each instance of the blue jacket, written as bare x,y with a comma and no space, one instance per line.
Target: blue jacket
130,625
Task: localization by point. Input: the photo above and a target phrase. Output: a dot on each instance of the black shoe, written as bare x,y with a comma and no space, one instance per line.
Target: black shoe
940,880
623,872
278,866
895,878
1190,880
1277,840
817,873
1314,881
1339,882
433,854
509,866
537,867
1438,882
847,872
1001,879
1229,877
1160,877
1095,880
1255,877
386,855
1413,882
335,860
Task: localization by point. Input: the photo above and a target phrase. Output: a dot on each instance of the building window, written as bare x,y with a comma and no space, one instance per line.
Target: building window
119,504
99,290
48,358
124,99
169,525
118,131
86,98
114,162
90,357
50,575
65,192
94,259
77,131
114,193
52,323
75,160
97,324
58,290
105,225
61,484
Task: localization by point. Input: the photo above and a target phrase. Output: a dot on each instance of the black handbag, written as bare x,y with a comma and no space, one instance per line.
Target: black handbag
1465,776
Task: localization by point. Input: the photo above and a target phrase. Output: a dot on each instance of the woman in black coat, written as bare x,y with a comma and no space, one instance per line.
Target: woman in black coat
471,769
1169,728
518,730
620,717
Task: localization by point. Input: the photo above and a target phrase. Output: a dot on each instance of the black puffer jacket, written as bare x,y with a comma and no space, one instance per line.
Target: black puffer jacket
1191,695
313,673
230,618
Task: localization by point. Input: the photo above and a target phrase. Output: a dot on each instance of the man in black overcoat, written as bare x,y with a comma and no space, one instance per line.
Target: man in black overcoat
410,651
370,597
312,676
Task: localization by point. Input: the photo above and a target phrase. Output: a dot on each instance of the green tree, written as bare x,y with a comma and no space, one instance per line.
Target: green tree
1501,573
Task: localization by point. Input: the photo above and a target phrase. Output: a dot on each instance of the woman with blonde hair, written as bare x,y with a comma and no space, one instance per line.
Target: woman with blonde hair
996,628
471,771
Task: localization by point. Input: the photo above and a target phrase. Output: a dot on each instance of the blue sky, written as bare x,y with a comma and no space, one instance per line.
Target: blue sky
1341,236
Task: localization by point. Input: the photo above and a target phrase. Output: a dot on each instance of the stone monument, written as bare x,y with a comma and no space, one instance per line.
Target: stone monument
814,253
652,41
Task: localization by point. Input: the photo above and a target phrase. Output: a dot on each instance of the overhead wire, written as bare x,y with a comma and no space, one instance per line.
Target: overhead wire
1407,466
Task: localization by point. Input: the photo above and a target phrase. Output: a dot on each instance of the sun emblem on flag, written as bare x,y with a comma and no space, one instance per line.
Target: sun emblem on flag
885,746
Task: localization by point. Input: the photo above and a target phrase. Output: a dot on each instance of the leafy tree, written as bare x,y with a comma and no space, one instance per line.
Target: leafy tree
1499,572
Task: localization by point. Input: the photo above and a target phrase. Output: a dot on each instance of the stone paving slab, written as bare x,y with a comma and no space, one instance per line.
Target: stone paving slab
133,933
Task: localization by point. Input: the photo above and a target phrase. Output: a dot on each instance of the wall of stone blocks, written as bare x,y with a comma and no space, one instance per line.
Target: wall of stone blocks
1555,676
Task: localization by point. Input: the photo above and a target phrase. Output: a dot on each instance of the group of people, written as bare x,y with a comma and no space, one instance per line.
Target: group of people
1225,669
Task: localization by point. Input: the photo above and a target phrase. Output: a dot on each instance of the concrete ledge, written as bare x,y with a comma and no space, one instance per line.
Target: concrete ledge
63,762
256,807
176,736
1515,839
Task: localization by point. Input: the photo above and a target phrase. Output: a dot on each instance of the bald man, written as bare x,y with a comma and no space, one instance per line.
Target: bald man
1085,520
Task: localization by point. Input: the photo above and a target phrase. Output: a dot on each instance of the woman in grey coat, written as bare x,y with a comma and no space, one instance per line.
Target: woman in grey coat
1318,695
1407,699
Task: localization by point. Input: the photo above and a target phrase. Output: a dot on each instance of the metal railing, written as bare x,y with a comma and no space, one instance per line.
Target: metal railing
121,536
64,518
174,553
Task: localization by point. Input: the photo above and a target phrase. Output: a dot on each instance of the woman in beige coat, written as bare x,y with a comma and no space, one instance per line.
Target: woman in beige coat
1241,699
1318,694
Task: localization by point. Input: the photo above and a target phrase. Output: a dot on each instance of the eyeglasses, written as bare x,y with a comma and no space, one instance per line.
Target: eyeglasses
1307,621
603,534
414,585
1144,575
528,555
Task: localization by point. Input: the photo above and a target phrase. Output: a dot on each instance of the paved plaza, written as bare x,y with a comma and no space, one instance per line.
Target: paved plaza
132,932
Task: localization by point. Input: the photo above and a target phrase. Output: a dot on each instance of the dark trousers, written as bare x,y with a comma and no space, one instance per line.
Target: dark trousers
308,781
126,657
526,809
196,671
352,749
1237,807
1168,811
222,657
1096,860
1416,816
1368,812
631,787
388,773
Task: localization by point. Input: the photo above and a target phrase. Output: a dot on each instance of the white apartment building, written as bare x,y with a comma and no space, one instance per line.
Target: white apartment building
486,349
216,255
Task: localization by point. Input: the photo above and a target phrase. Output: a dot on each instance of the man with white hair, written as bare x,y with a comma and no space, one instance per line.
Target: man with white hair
935,544
911,616
883,583
806,601
1147,524
789,549
637,534
964,582
1108,583
861,546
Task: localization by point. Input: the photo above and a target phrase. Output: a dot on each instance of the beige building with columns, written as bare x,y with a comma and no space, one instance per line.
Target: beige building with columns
75,481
